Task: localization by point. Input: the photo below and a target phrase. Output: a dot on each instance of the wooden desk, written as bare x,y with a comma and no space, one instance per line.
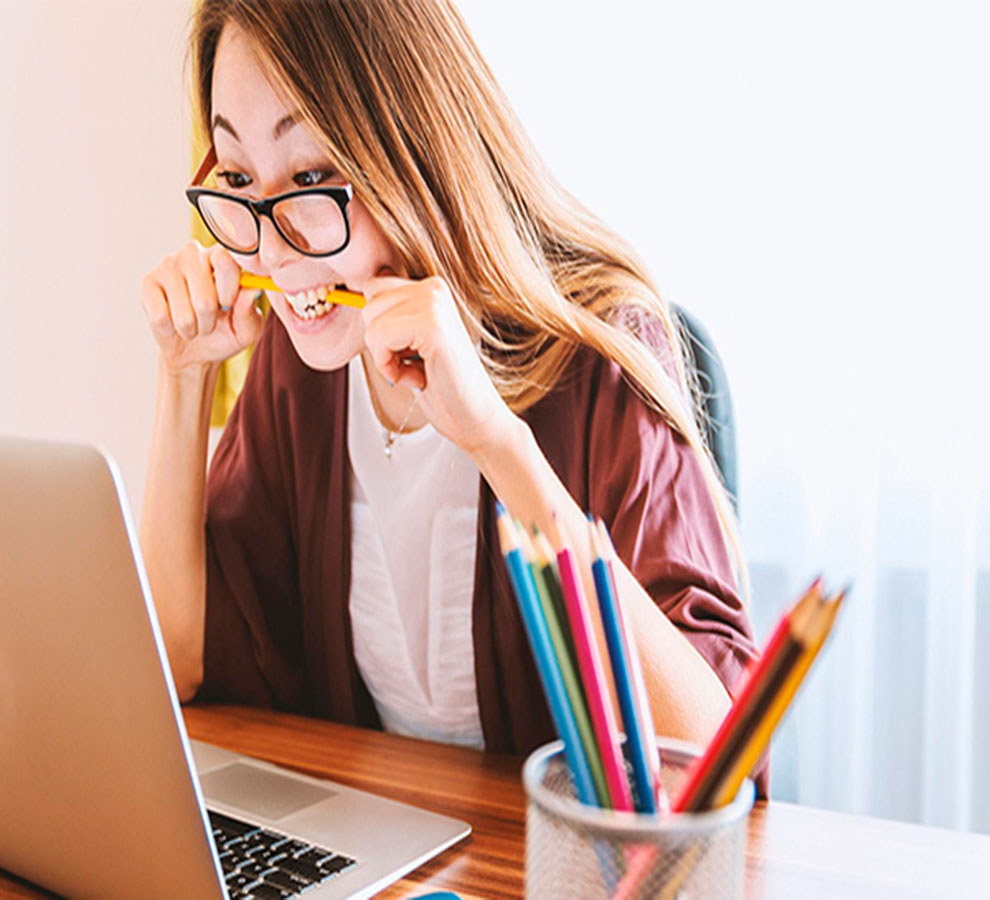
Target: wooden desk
794,853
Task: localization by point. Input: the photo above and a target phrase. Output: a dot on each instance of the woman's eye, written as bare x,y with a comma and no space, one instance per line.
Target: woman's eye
234,179
312,177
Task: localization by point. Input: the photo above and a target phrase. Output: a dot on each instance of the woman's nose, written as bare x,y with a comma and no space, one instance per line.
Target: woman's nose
273,251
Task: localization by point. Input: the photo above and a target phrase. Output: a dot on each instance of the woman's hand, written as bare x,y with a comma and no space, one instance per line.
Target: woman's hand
197,310
404,317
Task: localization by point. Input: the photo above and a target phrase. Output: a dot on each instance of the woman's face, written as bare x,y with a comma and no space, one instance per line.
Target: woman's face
260,153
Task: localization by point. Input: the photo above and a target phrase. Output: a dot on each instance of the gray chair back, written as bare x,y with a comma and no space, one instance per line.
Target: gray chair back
715,397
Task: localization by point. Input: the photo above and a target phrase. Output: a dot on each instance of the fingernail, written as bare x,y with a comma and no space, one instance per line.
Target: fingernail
389,383
416,389
224,308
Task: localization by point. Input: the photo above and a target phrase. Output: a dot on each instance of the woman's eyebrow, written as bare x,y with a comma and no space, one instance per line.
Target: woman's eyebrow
284,125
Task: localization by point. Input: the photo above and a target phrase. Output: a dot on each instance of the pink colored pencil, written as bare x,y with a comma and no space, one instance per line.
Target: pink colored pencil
595,685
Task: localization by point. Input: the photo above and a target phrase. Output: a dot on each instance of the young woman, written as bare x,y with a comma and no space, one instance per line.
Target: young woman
341,558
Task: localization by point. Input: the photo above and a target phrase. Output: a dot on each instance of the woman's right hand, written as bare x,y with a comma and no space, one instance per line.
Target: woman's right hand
184,298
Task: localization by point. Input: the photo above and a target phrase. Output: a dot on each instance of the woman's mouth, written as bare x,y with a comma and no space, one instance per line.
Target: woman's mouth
312,303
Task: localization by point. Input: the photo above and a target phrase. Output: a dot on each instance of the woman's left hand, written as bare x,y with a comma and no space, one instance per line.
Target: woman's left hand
404,317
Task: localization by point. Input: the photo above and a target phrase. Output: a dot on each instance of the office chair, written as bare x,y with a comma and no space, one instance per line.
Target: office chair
715,398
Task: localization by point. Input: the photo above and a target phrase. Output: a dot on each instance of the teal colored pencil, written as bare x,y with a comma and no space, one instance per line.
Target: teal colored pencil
572,684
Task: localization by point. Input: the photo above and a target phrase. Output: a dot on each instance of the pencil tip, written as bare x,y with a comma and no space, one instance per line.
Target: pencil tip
499,508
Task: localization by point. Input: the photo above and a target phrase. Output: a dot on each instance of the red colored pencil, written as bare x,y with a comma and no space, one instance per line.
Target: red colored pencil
760,677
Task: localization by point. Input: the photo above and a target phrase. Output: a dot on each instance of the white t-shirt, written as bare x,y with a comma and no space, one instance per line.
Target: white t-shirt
413,543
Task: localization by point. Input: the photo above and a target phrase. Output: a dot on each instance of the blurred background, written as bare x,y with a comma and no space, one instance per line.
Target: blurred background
811,180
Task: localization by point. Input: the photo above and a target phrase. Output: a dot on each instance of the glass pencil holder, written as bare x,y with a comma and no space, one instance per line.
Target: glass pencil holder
577,851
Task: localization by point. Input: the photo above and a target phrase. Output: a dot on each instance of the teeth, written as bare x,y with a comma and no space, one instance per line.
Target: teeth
312,311
310,304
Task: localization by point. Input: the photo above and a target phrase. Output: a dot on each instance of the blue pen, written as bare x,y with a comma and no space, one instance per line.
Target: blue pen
546,662
622,672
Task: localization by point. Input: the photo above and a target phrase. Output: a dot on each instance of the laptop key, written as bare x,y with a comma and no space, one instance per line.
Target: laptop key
239,882
287,882
271,838
337,864
293,847
304,870
315,856
230,826
236,853
266,892
256,870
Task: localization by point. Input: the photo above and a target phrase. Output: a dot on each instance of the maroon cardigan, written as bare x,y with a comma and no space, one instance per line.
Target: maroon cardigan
278,544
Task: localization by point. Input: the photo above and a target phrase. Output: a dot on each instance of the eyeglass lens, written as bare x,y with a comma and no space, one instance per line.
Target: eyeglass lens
312,223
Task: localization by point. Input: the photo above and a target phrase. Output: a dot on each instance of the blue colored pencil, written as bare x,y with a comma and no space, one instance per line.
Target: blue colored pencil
636,749
648,732
546,661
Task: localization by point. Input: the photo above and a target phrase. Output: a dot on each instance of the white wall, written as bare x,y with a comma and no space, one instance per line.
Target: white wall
93,158
811,178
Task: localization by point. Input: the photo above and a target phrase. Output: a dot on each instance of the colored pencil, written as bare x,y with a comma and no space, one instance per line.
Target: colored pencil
641,697
565,661
764,675
815,632
745,733
770,687
595,683
547,561
546,664
622,659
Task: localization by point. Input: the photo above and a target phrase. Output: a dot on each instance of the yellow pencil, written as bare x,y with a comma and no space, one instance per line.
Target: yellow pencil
342,298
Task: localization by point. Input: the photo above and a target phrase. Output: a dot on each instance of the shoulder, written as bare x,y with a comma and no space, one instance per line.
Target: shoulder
596,428
595,383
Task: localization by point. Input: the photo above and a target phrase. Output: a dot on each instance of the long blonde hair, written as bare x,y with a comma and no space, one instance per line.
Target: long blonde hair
403,103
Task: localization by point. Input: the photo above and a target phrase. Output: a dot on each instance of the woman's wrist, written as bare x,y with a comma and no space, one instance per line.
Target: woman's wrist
499,451
191,375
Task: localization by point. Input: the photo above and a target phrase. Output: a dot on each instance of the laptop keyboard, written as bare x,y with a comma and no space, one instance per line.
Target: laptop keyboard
262,864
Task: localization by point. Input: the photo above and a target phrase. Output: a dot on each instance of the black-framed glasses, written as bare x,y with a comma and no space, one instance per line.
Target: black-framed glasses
312,220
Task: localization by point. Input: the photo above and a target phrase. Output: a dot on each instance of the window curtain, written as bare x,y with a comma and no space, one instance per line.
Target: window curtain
895,720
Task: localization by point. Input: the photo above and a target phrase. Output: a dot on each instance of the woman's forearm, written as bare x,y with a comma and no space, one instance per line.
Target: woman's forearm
172,533
687,698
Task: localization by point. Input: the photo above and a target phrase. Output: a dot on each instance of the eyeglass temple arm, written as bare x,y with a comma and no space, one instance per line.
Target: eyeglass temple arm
209,161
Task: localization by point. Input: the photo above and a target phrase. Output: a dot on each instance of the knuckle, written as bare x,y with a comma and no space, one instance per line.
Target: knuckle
170,265
161,322
190,250
185,325
437,291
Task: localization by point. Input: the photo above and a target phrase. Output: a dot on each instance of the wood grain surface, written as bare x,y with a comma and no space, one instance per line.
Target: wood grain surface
794,853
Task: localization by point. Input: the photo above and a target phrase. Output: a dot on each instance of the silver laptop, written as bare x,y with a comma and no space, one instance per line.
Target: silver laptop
102,794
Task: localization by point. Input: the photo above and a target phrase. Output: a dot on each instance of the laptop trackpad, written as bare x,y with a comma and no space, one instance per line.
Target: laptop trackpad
259,791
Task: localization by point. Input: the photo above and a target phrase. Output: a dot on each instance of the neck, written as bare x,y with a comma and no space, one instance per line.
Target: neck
391,404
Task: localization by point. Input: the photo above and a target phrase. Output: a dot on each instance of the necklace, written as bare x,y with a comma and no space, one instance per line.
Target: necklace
390,436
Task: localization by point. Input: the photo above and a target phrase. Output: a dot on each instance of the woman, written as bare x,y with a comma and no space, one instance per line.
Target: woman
341,559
